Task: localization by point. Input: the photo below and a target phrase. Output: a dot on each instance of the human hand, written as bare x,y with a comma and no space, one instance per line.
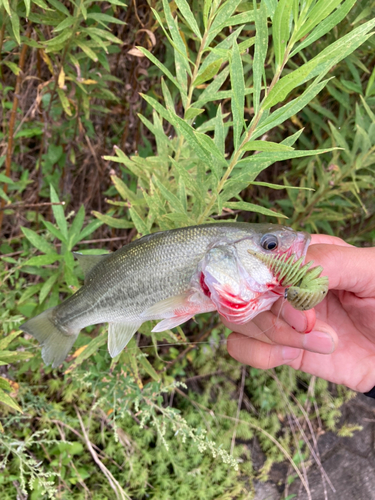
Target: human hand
336,340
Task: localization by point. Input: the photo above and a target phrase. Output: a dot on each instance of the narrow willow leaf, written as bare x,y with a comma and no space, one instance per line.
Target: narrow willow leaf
15,23
66,23
59,39
5,341
265,146
291,108
76,227
191,113
181,75
271,7
6,6
6,399
260,51
56,232
210,71
246,163
320,64
59,6
210,92
27,6
189,180
47,287
281,29
238,94
86,351
211,147
106,35
104,19
279,186
243,18
125,193
58,212
317,14
219,137
168,99
37,241
86,49
223,14
221,50
112,222
43,260
172,199
161,66
90,228
158,107
250,207
189,135
138,222
64,101
147,366
189,18
206,10
175,34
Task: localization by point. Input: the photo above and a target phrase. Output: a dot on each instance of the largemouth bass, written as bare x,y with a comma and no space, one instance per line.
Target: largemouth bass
172,276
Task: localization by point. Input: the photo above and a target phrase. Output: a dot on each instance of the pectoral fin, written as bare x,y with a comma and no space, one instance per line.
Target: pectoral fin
119,334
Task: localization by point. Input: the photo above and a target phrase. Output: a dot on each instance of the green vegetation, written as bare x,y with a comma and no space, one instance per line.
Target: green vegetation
249,110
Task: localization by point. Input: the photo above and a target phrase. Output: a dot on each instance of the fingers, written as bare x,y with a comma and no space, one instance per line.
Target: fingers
328,240
264,355
347,267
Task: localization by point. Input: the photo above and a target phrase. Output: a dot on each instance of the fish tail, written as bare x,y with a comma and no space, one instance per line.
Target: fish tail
56,342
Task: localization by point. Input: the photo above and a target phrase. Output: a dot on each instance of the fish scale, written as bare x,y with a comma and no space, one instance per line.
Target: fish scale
172,276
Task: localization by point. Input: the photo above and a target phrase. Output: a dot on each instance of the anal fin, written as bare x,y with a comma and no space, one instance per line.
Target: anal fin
119,334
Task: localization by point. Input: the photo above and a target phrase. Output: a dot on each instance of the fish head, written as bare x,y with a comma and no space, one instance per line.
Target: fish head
239,283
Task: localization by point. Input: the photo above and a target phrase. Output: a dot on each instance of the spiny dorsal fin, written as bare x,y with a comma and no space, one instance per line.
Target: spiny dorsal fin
88,262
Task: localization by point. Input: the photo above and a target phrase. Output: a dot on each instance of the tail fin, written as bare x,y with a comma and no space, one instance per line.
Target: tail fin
55,341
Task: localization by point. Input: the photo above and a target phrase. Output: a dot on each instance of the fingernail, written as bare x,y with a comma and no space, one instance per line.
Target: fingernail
320,342
296,319
290,353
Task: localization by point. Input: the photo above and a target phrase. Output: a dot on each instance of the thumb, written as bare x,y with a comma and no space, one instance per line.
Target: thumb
347,267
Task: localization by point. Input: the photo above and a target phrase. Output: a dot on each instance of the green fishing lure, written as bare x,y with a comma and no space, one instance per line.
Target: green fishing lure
304,287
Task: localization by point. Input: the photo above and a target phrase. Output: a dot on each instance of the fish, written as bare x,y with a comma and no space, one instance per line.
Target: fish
171,276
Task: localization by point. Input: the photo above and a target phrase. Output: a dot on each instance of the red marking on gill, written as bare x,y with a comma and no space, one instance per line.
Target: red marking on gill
204,287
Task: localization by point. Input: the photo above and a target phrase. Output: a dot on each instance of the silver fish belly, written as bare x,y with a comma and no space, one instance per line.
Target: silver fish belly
171,276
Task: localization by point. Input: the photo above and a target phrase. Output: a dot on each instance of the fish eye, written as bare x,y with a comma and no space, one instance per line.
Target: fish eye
269,242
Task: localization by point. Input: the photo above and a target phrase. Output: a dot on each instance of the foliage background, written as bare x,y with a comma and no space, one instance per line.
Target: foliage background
76,131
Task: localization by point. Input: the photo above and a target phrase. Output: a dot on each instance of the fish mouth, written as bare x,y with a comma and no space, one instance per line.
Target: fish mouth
301,244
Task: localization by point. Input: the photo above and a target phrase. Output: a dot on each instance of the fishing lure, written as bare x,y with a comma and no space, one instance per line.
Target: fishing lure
304,287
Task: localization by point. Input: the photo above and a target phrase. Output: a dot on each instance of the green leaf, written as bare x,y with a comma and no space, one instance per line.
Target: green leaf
209,72
112,222
53,230
90,228
316,15
279,186
210,92
58,40
320,64
147,366
291,108
189,134
125,193
37,241
66,23
58,212
265,146
14,356
210,146
76,227
5,341
250,207
47,287
172,199
60,7
219,137
280,29
238,94
161,66
91,348
6,6
104,18
5,398
260,52
222,16
188,15
177,42
192,113
12,66
138,222
64,102
42,260
86,49
15,22
7,180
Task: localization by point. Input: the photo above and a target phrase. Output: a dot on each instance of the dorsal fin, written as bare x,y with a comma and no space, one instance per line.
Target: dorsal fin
88,262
